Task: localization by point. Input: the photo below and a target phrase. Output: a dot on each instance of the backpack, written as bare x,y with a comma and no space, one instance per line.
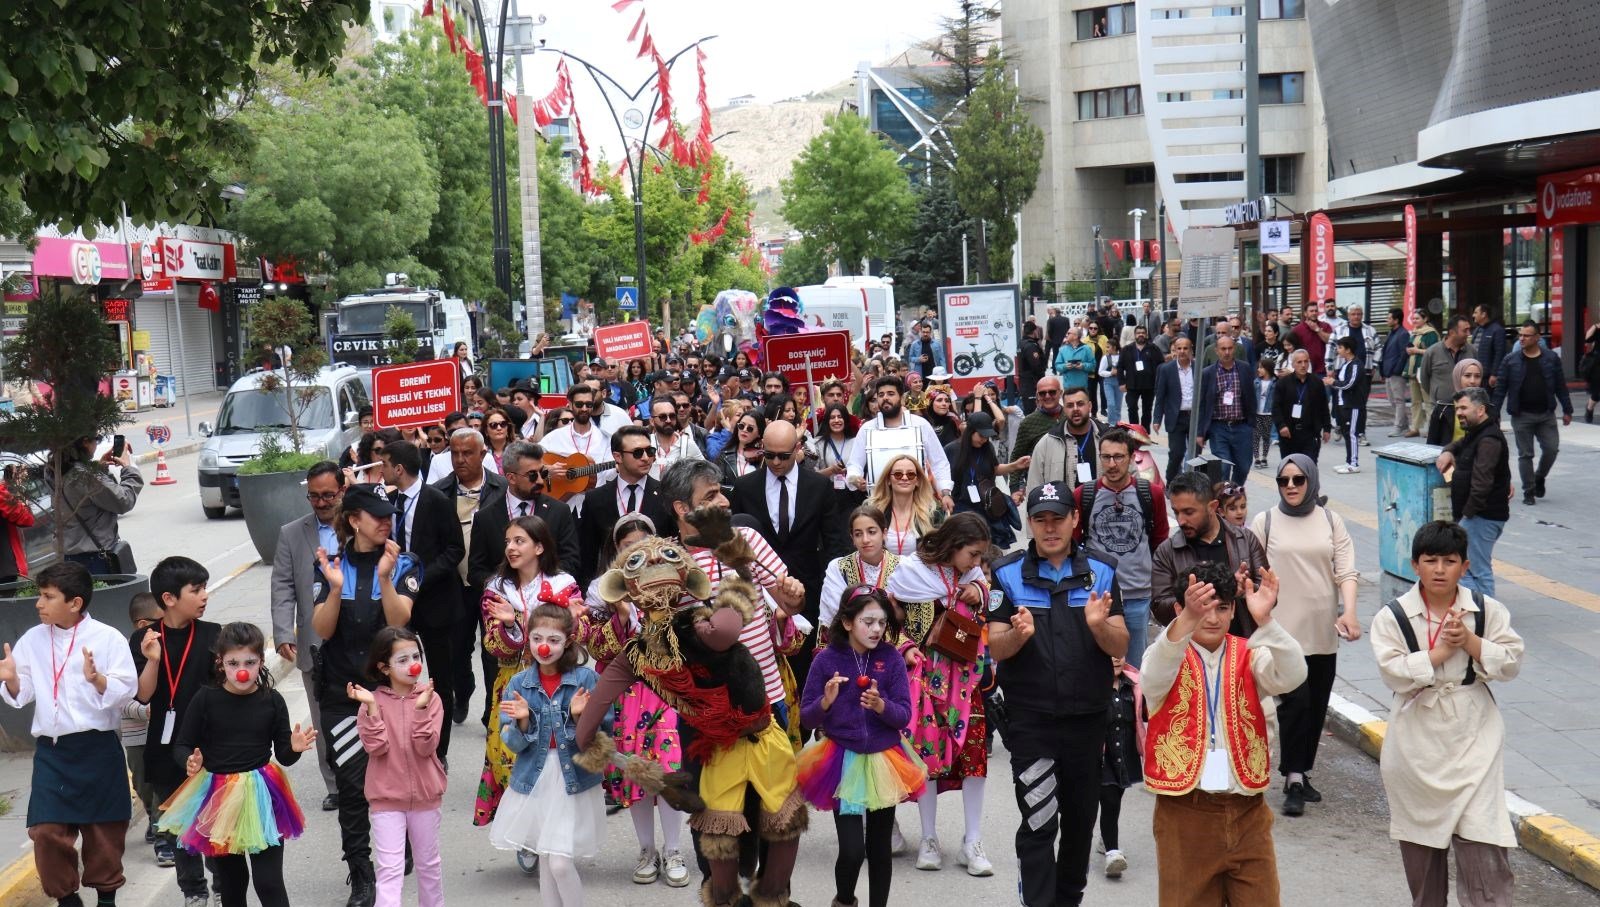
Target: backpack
1266,531
1147,508
1411,635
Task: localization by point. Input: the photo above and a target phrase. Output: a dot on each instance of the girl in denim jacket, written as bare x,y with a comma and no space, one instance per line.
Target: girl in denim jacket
552,808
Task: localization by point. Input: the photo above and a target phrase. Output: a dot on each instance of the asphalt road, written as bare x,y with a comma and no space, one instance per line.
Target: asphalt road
1339,853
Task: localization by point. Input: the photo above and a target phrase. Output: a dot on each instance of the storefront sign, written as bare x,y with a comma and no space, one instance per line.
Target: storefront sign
1249,212
1558,279
981,325
1572,197
192,259
21,290
246,295
622,342
115,309
1322,274
414,394
80,261
828,352
1410,303
1274,237
141,340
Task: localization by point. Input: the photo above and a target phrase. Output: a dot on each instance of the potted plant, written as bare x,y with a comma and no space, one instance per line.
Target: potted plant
270,493
64,350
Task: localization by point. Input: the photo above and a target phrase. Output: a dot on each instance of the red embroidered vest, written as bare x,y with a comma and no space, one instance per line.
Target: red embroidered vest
1176,743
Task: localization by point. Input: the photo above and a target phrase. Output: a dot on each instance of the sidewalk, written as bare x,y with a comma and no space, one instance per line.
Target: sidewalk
203,407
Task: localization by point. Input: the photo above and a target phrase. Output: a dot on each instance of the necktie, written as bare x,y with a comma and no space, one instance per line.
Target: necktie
783,505
400,523
522,509
633,498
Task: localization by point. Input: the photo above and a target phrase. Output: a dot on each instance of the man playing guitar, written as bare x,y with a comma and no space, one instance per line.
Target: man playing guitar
583,437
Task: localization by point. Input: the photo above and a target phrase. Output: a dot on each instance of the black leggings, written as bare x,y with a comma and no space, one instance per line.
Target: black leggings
1110,812
871,845
231,875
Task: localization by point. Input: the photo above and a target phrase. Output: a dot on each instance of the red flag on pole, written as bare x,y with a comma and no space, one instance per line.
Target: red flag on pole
1117,248
450,30
427,8
1155,251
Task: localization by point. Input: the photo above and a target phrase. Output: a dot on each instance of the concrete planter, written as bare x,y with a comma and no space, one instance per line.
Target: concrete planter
268,502
109,605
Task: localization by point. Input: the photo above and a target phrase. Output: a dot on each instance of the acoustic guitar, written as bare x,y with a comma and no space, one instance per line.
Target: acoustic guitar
581,474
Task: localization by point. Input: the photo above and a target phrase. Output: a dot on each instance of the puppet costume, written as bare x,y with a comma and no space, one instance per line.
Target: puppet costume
690,656
642,724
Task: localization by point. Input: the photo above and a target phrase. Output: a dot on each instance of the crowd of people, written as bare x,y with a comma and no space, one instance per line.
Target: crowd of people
803,597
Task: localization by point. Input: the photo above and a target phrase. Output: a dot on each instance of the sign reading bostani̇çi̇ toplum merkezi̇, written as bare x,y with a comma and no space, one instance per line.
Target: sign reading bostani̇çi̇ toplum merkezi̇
828,353
416,393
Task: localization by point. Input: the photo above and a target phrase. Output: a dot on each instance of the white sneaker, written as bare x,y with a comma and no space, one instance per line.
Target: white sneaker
675,870
929,856
897,842
649,867
1116,864
1345,469
976,861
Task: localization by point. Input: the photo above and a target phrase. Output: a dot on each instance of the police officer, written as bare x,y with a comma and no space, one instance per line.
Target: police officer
1057,690
368,585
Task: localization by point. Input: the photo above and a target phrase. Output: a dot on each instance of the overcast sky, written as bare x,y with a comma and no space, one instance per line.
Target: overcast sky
767,48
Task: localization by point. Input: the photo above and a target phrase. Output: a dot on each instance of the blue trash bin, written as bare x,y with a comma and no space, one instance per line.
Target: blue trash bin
1410,492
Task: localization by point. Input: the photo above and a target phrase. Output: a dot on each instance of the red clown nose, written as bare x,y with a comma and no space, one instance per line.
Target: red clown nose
415,669
242,675
544,650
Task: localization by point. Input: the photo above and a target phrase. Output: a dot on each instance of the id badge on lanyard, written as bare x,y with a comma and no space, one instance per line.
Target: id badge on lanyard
1216,774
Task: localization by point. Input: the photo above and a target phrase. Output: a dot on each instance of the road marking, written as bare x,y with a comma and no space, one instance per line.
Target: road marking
238,572
242,545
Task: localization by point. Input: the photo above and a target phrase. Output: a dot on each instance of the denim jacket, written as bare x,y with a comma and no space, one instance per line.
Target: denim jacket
547,717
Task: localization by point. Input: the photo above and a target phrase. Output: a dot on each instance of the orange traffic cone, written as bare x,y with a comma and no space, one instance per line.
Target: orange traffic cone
163,476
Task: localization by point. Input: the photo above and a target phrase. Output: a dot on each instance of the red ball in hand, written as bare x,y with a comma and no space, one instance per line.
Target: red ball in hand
242,675
863,682
416,669
544,650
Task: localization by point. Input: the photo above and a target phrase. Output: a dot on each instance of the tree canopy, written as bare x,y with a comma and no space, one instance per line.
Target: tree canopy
930,257
997,151
847,193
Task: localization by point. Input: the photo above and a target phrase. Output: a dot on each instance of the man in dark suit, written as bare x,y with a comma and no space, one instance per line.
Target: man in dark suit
1137,365
425,525
474,490
632,491
794,510
1174,399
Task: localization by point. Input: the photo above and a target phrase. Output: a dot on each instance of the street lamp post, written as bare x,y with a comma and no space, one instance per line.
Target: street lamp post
494,72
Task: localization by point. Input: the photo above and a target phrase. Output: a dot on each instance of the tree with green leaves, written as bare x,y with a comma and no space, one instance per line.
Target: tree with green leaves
847,193
400,336
803,265
967,43
930,256
284,322
113,102
997,150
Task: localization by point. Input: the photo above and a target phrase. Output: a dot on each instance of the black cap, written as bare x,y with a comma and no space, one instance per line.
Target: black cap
746,375
1051,497
598,363
373,499
981,423
526,386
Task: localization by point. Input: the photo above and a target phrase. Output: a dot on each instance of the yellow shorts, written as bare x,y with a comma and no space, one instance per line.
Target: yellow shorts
767,765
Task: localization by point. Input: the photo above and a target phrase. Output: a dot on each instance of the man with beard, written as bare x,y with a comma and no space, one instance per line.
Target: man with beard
1227,401
474,490
583,436
1125,517
1174,403
1066,453
890,393
1047,416
631,491
1137,366
1300,410
1203,536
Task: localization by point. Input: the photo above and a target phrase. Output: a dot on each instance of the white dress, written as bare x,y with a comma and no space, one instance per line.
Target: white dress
548,820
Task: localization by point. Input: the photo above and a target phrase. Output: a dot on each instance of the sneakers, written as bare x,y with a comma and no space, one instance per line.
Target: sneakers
1294,800
165,855
1345,469
1309,793
1538,486
976,861
1364,442
150,833
330,803
648,868
1528,500
929,856
1116,864
674,869
897,842
528,862
197,900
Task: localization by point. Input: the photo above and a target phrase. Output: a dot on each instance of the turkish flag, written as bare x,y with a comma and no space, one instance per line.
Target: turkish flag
427,7
450,30
209,299
1117,248
1155,251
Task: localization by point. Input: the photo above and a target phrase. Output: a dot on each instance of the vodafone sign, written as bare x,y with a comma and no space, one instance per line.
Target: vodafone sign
1572,197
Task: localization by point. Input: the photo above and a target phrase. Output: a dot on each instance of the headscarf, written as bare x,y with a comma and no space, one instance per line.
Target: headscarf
1461,368
1313,486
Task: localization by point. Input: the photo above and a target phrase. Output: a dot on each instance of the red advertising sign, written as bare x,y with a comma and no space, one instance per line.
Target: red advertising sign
1410,304
622,342
1572,197
828,352
1321,257
1558,279
417,393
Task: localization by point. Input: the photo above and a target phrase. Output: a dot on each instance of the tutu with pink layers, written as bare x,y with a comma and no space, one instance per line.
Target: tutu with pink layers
834,778
217,815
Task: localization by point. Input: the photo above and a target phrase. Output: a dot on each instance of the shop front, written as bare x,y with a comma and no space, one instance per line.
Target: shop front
179,316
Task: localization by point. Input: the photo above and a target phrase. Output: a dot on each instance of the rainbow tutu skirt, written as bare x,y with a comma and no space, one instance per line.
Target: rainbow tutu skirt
834,778
218,815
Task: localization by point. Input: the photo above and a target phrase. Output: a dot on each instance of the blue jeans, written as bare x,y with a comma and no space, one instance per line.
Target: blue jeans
1481,536
1136,614
1113,394
1232,443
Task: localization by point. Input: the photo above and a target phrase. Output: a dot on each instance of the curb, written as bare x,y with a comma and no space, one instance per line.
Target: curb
175,450
1540,832
19,881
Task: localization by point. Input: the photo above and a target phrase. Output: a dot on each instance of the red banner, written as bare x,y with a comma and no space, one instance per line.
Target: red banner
1558,277
1410,303
623,342
416,393
1569,198
1116,247
829,352
1322,274
1155,251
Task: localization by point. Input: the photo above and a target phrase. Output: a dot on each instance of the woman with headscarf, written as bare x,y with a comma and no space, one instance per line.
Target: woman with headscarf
1311,552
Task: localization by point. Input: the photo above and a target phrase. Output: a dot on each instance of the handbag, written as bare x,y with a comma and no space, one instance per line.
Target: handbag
955,636
995,501
118,556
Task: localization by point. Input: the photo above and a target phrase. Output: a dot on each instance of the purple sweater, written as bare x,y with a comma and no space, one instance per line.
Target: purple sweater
846,722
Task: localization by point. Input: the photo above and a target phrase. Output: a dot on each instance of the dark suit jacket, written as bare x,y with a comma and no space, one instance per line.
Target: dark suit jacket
600,515
1169,396
491,499
1132,377
1209,400
436,540
489,534
816,533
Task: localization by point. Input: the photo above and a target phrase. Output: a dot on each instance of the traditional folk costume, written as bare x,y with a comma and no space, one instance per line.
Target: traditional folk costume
509,644
846,573
1443,761
1208,760
642,724
80,784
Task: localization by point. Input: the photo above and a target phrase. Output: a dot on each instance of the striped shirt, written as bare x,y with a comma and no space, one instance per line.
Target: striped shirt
757,635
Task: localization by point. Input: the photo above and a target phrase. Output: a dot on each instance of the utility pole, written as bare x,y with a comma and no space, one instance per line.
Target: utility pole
1099,267
520,41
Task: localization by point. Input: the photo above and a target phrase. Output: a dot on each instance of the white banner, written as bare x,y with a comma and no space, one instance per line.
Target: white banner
981,332
1207,271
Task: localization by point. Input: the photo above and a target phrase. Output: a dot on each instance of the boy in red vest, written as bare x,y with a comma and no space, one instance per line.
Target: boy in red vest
1206,751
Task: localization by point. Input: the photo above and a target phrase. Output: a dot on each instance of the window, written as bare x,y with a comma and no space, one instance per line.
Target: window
1124,101
1283,9
1283,88
1107,21
1277,175
1138,176
1171,97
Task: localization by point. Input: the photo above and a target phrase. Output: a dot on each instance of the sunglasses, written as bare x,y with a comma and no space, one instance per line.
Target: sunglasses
641,452
493,425
323,498
777,455
1287,481
565,421
1049,393
902,474
581,404
1230,490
